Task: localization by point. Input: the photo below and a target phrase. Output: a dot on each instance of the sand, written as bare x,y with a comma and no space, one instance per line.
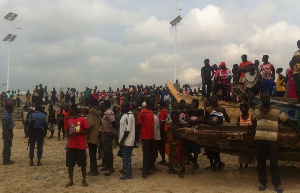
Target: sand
52,175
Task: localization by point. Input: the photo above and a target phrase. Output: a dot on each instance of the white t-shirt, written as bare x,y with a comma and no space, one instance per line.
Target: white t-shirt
250,80
127,123
156,128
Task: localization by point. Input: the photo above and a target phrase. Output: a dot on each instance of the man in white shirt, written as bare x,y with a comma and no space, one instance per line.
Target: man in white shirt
126,139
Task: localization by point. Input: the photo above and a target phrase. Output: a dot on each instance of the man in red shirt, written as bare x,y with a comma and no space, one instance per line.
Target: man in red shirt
77,128
103,95
145,123
163,114
95,95
243,69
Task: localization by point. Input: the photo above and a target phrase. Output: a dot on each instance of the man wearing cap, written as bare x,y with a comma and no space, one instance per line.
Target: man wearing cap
222,79
268,74
242,70
206,75
7,134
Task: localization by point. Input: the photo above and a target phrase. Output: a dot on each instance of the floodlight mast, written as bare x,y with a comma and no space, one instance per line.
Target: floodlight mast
174,23
10,16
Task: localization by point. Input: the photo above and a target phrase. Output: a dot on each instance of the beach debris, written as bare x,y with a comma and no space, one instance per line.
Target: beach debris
60,172
40,177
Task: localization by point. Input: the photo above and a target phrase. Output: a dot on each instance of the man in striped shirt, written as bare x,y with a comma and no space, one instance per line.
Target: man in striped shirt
267,117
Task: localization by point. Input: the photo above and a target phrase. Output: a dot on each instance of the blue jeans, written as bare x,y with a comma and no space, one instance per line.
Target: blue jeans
126,158
268,83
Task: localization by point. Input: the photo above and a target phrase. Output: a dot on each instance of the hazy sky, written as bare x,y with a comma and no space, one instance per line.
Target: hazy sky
115,42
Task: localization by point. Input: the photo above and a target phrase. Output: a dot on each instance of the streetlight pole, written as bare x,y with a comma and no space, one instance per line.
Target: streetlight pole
10,16
175,68
174,23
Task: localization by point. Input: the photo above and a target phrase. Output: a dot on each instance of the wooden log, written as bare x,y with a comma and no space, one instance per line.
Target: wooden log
236,141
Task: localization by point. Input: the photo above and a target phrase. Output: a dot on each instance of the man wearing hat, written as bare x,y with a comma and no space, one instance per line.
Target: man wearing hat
222,79
7,134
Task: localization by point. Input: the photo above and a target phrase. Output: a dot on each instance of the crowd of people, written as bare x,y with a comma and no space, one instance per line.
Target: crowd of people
93,120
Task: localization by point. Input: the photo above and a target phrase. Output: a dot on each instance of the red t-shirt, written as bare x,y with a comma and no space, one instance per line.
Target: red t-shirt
146,120
66,119
76,125
103,95
244,65
95,95
163,115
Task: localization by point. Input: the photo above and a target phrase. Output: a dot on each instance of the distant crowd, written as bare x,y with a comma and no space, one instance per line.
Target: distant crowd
150,115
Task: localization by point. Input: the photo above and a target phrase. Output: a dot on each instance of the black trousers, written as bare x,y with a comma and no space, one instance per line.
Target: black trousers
224,88
147,155
264,149
25,129
205,92
36,137
93,157
7,143
60,127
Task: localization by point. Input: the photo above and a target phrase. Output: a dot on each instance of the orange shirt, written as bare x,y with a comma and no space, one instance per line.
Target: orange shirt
244,65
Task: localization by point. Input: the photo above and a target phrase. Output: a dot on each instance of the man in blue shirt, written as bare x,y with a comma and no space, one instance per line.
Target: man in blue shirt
7,135
38,128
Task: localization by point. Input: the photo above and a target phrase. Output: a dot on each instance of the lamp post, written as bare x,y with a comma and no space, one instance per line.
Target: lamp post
174,23
10,37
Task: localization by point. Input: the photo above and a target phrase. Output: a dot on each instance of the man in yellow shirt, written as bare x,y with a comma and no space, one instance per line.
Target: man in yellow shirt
280,83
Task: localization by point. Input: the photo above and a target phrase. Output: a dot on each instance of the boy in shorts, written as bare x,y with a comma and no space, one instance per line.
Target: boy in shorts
76,130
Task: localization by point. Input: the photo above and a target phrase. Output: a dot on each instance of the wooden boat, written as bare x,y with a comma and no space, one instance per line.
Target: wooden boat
235,140
233,110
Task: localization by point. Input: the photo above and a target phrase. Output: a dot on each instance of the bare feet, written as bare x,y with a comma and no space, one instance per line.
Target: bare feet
84,184
69,184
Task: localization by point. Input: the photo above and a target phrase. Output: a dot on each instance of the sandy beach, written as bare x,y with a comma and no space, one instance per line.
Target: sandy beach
53,175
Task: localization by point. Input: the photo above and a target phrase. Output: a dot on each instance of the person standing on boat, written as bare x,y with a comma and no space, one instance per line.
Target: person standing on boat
243,68
268,74
222,79
296,71
206,75
280,83
265,140
177,85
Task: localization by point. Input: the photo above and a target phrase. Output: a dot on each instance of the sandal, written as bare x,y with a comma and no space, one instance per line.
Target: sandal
262,187
278,190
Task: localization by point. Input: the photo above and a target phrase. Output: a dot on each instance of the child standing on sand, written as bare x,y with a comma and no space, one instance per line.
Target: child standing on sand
77,128
246,120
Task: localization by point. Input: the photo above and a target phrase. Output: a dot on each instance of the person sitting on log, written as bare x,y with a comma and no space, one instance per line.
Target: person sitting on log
246,120
214,114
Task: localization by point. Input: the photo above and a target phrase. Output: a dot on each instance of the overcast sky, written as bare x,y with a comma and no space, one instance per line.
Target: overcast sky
114,42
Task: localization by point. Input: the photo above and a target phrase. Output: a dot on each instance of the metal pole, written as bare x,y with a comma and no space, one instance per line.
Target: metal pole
8,60
175,68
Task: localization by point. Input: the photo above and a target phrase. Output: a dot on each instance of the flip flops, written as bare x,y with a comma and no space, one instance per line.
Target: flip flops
262,187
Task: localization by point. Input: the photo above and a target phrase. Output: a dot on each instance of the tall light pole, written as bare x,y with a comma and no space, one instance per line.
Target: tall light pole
10,37
174,23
